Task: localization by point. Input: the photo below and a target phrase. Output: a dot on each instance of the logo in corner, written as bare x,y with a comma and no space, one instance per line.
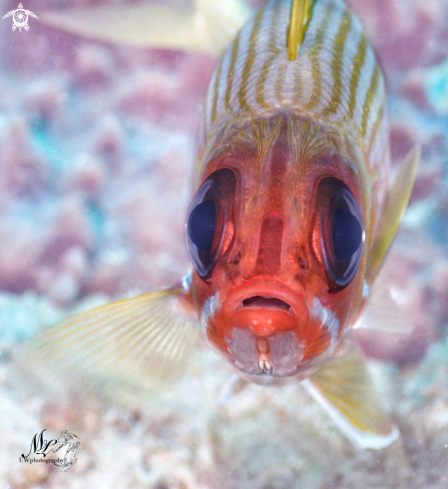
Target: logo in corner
20,18
67,445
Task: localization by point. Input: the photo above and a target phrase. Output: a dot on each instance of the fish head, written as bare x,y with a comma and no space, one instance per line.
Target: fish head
276,237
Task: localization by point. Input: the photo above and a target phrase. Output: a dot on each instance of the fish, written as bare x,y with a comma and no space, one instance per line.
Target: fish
294,211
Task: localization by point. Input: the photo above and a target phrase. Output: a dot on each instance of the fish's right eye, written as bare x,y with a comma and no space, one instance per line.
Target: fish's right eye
201,225
207,218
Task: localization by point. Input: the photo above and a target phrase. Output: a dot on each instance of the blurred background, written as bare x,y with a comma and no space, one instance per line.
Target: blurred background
97,145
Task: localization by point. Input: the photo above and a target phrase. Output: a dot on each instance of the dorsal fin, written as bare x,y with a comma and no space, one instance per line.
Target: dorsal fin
301,12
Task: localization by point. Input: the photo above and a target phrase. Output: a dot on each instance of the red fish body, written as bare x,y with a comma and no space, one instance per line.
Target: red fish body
292,217
293,136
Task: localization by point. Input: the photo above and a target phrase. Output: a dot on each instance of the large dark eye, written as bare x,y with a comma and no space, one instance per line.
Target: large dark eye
342,232
347,234
201,225
206,222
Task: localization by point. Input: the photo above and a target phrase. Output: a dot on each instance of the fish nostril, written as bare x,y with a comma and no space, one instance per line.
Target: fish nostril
266,303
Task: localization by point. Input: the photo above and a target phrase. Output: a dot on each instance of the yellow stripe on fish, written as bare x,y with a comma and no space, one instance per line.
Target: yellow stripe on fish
335,77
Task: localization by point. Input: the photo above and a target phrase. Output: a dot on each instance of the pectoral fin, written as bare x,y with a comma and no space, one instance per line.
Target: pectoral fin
118,352
396,205
382,312
207,28
344,388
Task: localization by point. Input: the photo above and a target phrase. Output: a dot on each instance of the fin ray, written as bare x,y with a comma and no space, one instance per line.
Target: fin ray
122,352
344,388
208,28
396,205
301,12
382,312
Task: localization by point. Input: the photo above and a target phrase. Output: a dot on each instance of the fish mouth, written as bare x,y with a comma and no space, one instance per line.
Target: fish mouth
265,306
266,327
258,301
266,295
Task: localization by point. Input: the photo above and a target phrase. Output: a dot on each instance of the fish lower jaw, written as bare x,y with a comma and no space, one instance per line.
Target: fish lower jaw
264,322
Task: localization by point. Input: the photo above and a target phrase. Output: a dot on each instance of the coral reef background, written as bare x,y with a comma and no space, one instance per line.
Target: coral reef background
96,157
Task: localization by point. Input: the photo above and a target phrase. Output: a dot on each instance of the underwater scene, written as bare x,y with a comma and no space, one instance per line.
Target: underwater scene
113,113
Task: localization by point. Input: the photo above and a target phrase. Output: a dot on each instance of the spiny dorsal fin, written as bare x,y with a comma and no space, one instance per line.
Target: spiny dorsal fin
301,12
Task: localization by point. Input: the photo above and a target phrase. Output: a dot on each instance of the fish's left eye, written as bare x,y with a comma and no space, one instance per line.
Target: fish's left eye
342,232
346,234
207,220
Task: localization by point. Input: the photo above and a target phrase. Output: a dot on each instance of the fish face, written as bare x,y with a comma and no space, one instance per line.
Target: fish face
276,237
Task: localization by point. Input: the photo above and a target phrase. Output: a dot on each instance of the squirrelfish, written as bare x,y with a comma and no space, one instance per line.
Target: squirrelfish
293,215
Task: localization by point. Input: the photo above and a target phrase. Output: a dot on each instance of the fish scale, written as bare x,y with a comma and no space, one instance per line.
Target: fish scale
344,84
